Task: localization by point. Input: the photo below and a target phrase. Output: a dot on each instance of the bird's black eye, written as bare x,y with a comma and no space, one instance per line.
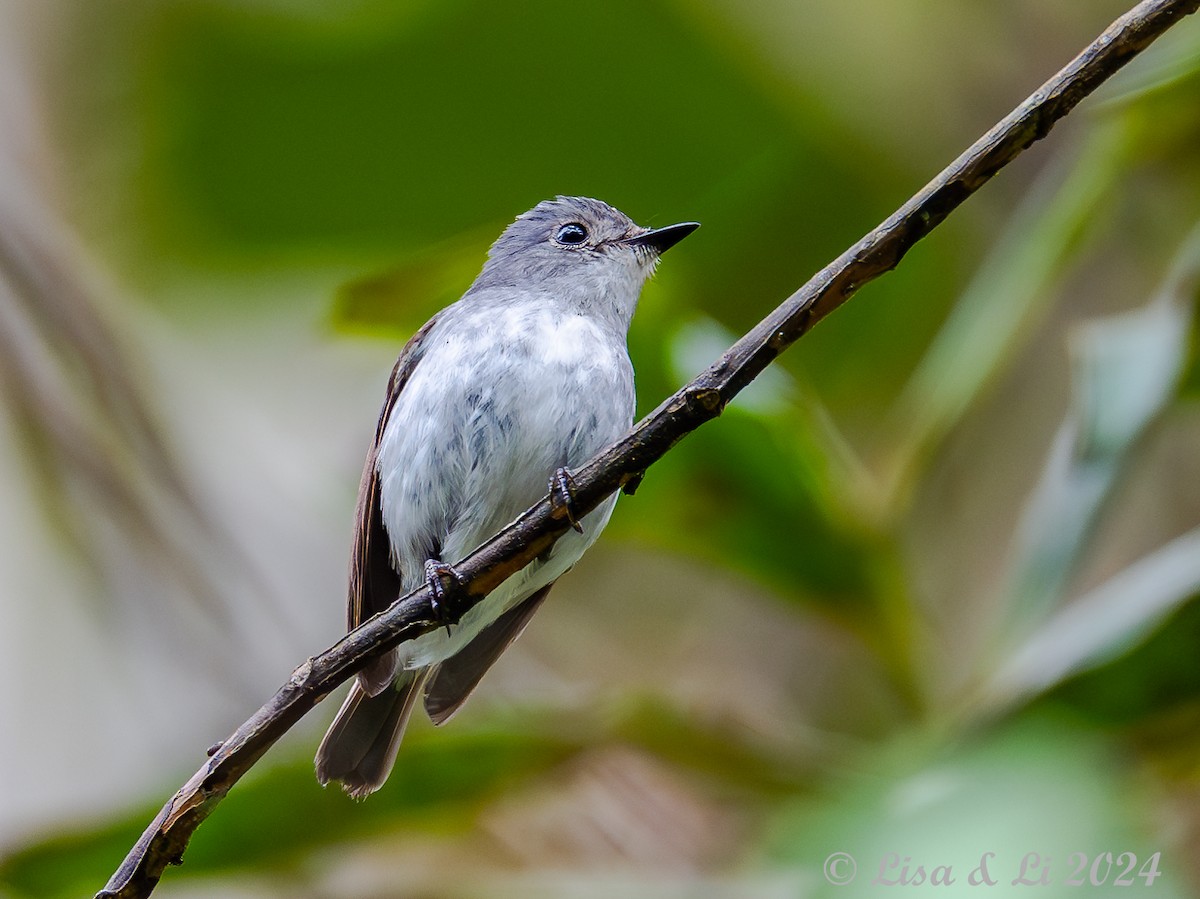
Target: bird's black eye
572,235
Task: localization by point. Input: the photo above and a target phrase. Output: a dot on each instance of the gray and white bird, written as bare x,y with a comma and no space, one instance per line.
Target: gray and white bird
499,394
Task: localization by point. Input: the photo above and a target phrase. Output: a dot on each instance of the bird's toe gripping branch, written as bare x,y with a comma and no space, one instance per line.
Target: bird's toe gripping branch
562,496
435,571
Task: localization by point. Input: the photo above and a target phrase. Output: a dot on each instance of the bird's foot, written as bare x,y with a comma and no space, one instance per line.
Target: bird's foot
562,494
434,572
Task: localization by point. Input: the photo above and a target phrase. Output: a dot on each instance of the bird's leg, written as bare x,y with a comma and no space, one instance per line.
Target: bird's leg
562,493
434,572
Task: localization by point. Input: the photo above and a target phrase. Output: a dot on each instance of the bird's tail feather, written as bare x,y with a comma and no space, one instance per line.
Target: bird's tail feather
360,746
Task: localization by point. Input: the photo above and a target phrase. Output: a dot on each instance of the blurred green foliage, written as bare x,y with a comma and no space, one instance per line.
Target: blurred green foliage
898,482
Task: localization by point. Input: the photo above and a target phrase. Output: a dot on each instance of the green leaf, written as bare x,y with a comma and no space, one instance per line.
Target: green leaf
1103,623
1125,370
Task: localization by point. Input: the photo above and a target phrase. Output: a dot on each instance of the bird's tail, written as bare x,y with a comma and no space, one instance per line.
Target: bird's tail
360,746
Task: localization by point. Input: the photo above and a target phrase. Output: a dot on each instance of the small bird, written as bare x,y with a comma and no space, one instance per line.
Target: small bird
491,403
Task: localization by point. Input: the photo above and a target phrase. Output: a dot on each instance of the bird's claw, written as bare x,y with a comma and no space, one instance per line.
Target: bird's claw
562,493
434,572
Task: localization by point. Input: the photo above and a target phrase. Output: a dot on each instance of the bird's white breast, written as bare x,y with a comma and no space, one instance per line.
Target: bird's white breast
499,400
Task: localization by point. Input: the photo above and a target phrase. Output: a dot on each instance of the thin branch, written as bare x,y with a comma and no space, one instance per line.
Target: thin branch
623,464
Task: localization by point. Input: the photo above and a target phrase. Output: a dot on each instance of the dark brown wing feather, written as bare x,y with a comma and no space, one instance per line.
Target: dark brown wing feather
374,582
455,677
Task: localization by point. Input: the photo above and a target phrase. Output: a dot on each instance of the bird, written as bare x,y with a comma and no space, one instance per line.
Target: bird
490,404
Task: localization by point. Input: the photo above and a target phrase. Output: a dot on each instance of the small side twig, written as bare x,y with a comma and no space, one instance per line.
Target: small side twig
624,463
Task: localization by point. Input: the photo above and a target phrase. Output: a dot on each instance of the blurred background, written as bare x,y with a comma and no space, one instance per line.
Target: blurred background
927,588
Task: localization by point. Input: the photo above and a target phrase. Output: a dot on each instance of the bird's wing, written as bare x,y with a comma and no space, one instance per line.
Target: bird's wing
455,677
374,582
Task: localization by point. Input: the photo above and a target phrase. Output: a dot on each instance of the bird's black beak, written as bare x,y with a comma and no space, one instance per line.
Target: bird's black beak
662,239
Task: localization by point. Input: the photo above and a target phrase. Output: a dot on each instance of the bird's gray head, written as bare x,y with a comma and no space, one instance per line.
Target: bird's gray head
581,252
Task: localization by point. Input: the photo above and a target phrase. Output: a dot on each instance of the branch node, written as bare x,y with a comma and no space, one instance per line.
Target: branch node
298,678
630,483
707,398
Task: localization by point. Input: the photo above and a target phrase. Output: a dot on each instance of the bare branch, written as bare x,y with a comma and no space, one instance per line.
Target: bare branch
622,464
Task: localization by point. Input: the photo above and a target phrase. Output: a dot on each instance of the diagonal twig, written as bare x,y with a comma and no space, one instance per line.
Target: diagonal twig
622,464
